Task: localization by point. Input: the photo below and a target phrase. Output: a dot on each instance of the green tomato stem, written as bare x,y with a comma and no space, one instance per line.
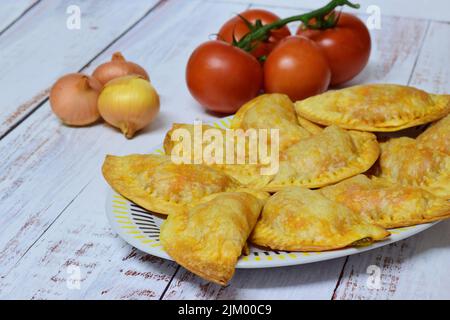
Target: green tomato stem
261,33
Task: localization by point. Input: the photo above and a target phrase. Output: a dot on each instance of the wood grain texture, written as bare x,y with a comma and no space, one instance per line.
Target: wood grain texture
45,165
432,70
416,268
39,48
394,51
12,10
108,267
310,281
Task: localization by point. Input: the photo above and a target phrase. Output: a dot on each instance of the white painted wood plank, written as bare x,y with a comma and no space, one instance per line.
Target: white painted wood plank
45,165
394,51
11,10
420,9
432,71
415,268
39,48
310,281
108,267
392,60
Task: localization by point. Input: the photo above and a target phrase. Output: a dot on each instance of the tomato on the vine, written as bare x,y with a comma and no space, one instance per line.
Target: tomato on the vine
296,67
222,77
238,28
346,46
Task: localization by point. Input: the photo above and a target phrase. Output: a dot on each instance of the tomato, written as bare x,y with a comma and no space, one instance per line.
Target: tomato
346,46
222,77
296,67
238,27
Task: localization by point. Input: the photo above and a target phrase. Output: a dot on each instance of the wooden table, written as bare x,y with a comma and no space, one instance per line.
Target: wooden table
53,227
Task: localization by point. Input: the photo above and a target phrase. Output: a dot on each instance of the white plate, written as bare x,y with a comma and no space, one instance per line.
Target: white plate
140,228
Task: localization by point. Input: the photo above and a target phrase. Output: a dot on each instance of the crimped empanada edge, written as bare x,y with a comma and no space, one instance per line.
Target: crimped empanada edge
309,126
269,239
434,213
368,155
236,121
437,185
324,118
158,206
147,201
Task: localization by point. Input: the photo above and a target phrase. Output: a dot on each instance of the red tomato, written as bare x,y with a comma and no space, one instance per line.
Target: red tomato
296,67
238,27
346,46
222,77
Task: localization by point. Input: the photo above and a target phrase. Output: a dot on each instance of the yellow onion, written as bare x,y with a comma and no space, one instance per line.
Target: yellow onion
129,103
116,68
73,99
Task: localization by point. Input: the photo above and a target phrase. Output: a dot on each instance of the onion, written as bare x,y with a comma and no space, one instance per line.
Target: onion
73,99
129,103
118,67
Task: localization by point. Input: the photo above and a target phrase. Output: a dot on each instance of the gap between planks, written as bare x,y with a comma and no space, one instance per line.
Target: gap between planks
419,52
47,228
20,16
44,100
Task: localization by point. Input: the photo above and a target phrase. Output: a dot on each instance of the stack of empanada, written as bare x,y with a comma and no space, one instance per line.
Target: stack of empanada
326,142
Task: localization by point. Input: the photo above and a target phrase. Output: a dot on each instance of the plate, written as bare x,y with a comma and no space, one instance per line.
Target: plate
140,228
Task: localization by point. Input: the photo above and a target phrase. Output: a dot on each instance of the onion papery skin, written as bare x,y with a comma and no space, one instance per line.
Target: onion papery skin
118,67
73,99
129,103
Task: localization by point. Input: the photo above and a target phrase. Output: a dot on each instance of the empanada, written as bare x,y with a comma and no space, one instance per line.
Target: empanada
374,107
271,111
387,204
325,158
310,126
209,238
157,184
299,219
248,173
437,136
408,162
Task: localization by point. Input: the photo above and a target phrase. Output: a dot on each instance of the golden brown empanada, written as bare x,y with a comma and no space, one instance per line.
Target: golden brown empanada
157,184
326,158
171,141
247,174
299,219
271,111
437,136
408,162
387,204
374,107
310,126
209,238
